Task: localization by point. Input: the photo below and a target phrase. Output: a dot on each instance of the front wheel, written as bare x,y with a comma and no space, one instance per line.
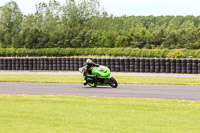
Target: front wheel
113,83
92,84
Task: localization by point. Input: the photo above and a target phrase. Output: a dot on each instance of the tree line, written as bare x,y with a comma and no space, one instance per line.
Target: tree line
85,24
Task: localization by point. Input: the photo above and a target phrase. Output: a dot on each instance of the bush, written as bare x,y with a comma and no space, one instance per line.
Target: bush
116,52
175,54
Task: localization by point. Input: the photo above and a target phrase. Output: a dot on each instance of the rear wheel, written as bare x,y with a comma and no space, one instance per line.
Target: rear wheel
113,83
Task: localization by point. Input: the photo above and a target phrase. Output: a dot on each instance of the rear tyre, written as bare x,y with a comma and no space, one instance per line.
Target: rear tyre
113,83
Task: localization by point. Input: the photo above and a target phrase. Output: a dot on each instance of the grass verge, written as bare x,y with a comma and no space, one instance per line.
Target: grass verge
50,114
120,79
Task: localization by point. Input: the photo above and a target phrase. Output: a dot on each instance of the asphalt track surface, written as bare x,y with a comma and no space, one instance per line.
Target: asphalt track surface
129,91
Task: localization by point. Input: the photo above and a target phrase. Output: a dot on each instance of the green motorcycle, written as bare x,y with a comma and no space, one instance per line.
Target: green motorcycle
99,76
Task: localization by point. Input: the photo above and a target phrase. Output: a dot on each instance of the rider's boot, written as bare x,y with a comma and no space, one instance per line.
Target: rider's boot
85,81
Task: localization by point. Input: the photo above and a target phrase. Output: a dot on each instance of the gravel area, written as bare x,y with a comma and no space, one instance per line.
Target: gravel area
112,73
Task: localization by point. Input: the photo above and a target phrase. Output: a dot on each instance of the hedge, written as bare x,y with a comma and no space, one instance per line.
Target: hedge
115,52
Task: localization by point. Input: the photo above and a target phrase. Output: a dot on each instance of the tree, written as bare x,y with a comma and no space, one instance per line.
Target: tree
10,25
77,17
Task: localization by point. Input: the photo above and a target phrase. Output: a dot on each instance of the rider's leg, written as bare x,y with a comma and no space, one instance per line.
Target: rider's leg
85,80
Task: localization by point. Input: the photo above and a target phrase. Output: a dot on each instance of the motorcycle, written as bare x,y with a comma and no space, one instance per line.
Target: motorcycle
99,76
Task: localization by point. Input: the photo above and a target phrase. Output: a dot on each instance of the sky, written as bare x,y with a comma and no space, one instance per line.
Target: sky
129,7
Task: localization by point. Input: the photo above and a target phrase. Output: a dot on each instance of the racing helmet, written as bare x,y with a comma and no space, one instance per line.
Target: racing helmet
89,61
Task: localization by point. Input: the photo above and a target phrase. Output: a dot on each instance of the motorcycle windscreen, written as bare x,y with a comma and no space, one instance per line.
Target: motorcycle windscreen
102,69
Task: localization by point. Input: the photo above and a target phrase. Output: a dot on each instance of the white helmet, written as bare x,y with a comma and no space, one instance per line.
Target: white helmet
89,61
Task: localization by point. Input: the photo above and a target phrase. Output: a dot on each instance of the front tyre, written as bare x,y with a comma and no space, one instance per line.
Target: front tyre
113,83
92,84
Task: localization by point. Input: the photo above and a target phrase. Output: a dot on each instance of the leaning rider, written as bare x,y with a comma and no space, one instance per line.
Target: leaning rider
88,65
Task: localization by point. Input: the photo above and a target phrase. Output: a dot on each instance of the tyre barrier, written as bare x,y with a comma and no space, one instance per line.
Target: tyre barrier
121,66
198,66
152,65
117,65
137,65
189,66
67,64
157,65
147,65
127,64
142,65
194,66
178,65
183,65
173,65
34,64
162,66
167,66
132,65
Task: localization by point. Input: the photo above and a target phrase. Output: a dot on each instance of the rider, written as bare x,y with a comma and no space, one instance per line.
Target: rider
88,66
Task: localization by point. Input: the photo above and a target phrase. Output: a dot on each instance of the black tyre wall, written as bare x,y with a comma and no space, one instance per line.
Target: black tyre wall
132,64
137,65
178,65
50,63
162,66
127,65
108,63
80,62
199,66
115,64
122,66
1,64
189,66
157,65
142,65
183,66
173,65
67,64
152,65
76,65
147,65
13,63
195,66
30,63
112,64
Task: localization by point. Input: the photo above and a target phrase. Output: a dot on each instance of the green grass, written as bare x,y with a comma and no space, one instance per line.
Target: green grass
63,114
120,79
